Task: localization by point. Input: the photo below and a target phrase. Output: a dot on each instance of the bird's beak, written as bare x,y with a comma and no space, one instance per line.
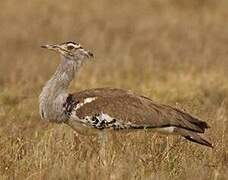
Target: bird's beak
51,47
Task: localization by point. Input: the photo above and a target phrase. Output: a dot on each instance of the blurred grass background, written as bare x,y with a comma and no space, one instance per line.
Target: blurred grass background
173,51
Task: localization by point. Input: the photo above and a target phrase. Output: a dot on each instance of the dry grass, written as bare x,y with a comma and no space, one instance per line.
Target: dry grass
174,51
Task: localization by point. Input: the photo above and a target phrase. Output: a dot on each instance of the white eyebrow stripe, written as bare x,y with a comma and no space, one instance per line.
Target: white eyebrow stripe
75,45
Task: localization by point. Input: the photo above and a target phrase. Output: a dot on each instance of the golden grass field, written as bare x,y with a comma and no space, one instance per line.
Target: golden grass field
173,51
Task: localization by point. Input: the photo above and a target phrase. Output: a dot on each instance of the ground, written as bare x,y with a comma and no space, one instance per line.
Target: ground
173,51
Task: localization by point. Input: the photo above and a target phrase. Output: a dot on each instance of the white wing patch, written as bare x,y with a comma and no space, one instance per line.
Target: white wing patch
106,117
86,101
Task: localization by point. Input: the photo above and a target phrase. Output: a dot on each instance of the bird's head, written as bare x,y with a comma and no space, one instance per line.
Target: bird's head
70,50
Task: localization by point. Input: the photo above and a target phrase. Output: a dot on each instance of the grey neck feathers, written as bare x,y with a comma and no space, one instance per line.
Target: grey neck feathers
54,93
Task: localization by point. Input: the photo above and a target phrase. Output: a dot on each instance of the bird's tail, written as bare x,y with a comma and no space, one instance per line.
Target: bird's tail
193,136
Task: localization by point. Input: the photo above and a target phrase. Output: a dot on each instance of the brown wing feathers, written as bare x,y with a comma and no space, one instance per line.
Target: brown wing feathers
140,111
127,107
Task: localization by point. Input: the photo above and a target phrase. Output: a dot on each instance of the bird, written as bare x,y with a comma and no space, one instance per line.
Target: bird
101,109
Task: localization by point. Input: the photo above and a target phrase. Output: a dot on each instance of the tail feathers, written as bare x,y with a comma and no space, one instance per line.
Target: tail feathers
193,136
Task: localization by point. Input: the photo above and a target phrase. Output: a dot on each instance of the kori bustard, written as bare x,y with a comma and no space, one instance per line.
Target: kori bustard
99,109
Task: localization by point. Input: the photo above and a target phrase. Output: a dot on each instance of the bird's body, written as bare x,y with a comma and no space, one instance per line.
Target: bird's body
99,109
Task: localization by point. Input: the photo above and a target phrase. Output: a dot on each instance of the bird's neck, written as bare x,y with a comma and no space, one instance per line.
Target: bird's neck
55,91
61,79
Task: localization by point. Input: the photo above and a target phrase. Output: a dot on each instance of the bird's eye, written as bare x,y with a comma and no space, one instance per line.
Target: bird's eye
70,47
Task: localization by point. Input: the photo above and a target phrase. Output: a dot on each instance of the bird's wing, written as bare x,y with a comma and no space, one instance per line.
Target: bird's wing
120,109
